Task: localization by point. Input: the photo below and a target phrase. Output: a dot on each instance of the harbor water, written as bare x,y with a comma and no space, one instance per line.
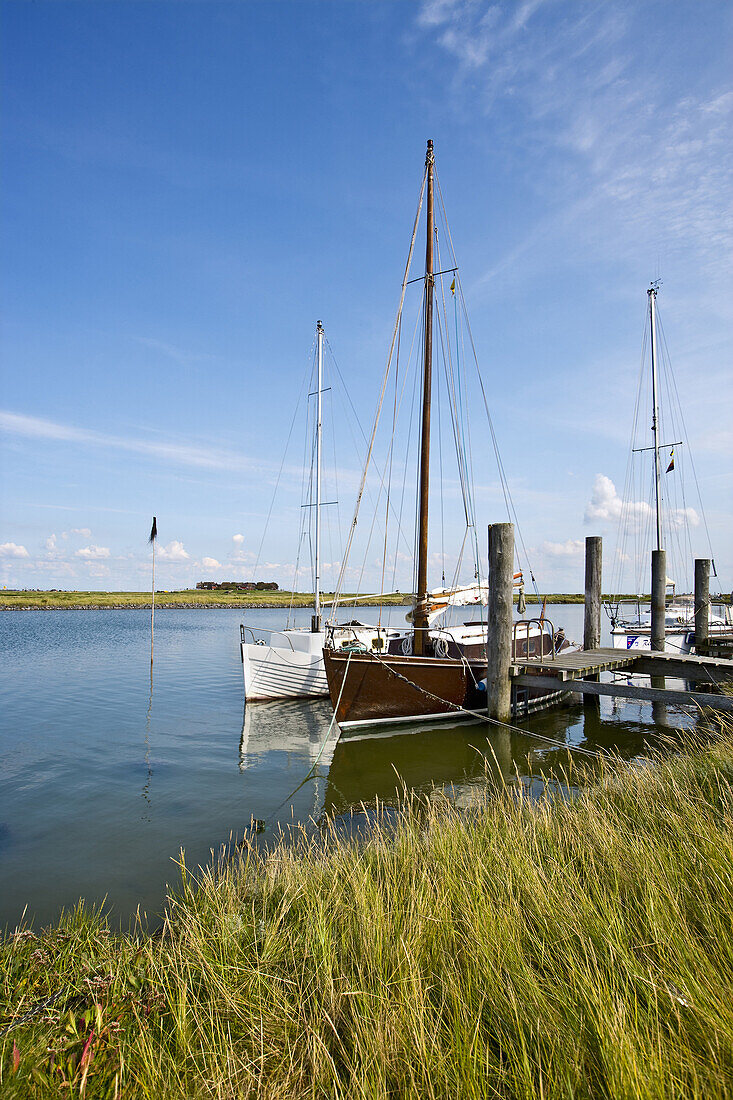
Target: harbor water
107,775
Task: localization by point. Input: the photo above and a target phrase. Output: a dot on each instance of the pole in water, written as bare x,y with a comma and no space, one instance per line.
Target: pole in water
592,611
702,603
659,588
151,540
501,614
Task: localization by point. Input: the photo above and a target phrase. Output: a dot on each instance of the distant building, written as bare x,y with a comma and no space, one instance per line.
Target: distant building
238,586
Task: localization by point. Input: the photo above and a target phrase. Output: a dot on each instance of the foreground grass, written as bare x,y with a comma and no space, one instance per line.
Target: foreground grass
567,949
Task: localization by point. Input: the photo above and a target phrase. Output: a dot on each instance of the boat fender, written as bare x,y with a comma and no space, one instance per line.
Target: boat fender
481,685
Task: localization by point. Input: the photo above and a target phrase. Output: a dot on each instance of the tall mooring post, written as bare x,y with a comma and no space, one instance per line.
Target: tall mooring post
659,588
501,608
702,602
593,573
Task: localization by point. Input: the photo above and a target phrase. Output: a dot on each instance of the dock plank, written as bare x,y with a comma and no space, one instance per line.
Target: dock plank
626,691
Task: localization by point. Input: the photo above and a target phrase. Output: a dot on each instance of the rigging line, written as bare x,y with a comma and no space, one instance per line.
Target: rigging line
463,458
415,380
360,460
305,513
389,476
463,423
381,473
405,277
332,421
686,437
508,499
440,468
455,423
455,428
305,381
420,374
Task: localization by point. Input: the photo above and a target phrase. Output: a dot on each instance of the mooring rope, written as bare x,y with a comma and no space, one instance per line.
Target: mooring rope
484,717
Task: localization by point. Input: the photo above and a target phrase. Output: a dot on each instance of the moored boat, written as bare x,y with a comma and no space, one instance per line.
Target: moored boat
431,672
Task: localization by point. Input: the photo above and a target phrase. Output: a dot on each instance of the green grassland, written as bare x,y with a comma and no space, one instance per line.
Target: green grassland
185,598
567,949
191,598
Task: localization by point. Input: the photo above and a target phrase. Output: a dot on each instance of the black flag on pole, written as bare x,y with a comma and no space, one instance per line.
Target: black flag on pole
153,531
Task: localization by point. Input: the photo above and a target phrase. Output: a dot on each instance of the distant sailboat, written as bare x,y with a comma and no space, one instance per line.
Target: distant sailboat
630,620
290,663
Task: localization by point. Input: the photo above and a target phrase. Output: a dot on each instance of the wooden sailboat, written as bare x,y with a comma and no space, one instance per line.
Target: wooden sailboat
423,675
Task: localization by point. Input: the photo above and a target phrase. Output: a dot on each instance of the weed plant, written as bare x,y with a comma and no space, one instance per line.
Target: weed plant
567,948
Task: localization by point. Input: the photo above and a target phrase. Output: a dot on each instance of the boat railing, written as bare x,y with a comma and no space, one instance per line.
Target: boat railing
522,631
245,630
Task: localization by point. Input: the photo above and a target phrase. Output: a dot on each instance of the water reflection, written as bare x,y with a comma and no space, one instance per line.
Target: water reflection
84,731
461,758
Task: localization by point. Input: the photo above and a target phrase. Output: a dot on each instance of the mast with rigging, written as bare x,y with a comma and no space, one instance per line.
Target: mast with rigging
316,619
652,292
421,623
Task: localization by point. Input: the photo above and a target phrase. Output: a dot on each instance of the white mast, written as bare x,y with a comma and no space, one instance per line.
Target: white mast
652,292
316,624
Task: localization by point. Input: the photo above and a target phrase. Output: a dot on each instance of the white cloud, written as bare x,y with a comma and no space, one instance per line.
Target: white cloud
84,531
210,563
93,553
13,550
605,504
173,552
571,548
51,543
239,539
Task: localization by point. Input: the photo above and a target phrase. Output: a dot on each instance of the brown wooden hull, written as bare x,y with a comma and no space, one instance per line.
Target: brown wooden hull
393,687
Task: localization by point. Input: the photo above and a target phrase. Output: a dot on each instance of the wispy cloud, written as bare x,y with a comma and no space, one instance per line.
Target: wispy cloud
623,158
211,458
182,356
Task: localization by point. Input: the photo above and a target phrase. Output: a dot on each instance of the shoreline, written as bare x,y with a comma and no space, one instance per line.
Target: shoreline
182,601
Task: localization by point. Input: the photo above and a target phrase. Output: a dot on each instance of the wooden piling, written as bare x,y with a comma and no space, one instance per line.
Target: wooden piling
593,571
501,614
659,588
702,602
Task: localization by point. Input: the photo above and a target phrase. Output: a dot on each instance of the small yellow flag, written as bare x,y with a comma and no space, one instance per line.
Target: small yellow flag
453,287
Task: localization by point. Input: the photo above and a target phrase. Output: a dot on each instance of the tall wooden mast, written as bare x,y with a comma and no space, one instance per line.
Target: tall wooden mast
421,616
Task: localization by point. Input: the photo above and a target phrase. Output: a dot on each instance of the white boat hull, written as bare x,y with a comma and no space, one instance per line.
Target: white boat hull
279,672
291,666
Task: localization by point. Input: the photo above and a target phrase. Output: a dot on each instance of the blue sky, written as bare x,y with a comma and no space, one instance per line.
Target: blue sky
189,186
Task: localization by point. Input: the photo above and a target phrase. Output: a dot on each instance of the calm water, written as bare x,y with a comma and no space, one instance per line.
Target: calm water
103,782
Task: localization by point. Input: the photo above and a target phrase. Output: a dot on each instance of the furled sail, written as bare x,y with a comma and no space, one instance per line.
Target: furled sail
440,599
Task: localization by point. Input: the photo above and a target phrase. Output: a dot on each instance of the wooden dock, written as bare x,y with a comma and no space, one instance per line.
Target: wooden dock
578,672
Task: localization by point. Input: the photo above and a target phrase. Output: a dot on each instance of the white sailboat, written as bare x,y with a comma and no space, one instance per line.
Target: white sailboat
631,619
289,663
